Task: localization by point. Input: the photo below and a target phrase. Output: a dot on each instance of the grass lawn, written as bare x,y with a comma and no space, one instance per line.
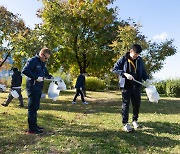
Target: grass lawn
93,128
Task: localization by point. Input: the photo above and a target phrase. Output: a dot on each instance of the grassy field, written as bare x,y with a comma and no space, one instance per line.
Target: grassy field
94,128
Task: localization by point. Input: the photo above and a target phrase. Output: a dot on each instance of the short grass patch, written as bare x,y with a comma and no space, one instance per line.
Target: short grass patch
93,128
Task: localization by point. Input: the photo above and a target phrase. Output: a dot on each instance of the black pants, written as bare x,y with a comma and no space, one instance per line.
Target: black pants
78,91
133,95
34,97
10,97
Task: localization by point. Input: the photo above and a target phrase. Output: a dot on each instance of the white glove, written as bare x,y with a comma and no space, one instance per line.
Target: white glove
40,79
129,76
80,88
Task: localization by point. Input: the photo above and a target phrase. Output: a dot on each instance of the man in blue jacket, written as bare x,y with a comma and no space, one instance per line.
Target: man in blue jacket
129,67
36,71
80,86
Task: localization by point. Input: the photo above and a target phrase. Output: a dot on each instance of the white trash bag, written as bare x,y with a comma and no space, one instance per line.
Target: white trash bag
152,93
61,83
53,91
14,93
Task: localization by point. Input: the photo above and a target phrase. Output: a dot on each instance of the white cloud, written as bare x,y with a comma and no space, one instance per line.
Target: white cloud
161,36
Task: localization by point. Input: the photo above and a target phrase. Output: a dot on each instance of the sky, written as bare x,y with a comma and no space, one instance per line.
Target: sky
159,20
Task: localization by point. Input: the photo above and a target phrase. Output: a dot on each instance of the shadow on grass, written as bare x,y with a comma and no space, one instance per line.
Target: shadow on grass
89,138
105,141
111,106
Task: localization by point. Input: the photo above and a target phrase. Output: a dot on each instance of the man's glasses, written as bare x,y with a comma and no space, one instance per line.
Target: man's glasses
45,57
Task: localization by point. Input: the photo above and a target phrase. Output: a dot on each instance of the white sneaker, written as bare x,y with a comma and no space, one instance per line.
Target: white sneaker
135,124
85,103
73,102
128,128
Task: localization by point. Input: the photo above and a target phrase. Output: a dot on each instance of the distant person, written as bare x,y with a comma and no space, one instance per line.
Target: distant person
36,71
15,85
129,67
80,86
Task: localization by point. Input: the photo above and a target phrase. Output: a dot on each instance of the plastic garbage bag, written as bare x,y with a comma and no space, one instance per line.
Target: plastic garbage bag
61,85
53,91
152,93
14,93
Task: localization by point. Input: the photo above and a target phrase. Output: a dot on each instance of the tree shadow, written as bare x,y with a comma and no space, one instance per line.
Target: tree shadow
111,106
91,137
101,140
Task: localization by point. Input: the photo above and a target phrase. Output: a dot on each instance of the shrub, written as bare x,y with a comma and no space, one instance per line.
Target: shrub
114,85
173,88
95,84
161,87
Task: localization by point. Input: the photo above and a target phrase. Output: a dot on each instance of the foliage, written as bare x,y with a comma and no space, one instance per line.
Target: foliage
10,26
128,34
173,88
154,53
161,87
95,128
95,84
80,32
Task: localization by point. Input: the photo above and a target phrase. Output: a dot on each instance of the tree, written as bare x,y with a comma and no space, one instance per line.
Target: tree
80,32
154,54
10,26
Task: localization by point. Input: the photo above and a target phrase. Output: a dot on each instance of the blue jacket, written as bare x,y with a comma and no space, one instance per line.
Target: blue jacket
121,67
33,69
80,82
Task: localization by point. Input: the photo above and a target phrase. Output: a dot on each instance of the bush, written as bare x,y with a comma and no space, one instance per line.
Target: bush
161,87
114,85
173,88
95,84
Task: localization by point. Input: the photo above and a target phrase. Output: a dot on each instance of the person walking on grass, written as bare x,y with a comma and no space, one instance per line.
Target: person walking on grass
15,85
36,71
80,87
129,67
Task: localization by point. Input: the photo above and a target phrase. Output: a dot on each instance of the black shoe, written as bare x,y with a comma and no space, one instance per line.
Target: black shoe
35,131
4,104
21,105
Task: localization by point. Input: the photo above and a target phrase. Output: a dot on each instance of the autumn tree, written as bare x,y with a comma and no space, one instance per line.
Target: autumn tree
154,54
79,32
10,26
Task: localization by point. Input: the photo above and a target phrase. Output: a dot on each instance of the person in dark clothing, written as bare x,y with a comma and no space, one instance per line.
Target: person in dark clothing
80,86
36,71
130,67
15,85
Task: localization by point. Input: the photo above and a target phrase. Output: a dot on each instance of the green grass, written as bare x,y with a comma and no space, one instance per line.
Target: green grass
94,128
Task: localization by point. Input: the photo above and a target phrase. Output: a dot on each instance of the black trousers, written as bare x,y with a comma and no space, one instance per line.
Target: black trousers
10,97
78,91
133,95
34,97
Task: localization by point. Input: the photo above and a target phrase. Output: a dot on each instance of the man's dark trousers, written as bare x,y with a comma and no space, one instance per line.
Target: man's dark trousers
34,97
133,95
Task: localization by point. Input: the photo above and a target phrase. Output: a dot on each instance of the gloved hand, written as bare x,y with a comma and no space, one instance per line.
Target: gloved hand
128,76
80,88
40,79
